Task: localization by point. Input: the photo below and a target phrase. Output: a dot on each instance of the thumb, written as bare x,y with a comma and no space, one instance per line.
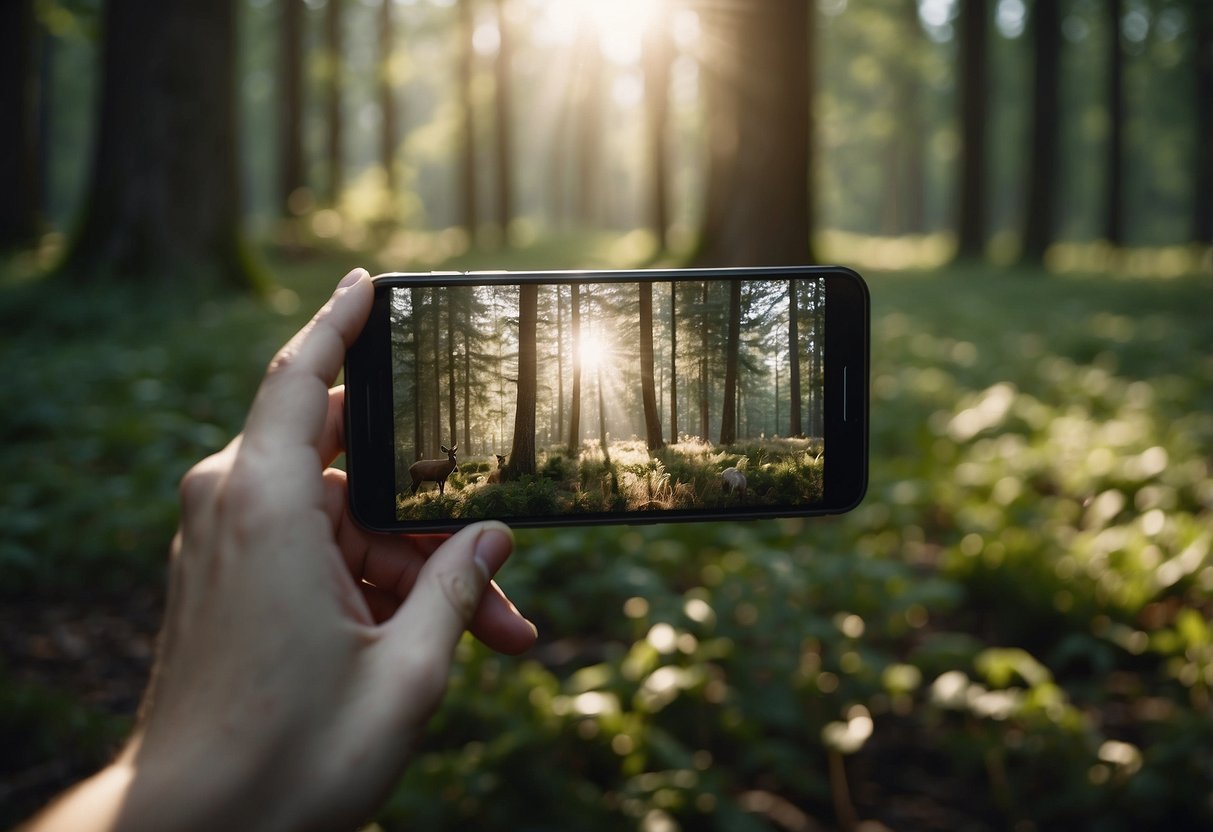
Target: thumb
423,633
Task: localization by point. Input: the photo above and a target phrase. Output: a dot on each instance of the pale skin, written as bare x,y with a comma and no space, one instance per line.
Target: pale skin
301,656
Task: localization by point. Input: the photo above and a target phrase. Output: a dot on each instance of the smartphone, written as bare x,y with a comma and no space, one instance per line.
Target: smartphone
557,398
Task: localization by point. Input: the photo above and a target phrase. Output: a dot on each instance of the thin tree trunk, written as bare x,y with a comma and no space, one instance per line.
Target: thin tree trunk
602,431
467,394
418,431
19,105
387,103
652,418
673,361
559,365
522,451
467,172
728,420
435,318
505,133
575,401
1114,162
914,154
795,424
973,78
291,177
658,55
1041,203
336,78
452,418
1202,182
704,398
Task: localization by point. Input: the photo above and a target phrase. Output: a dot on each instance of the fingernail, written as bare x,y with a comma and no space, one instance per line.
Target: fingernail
352,278
492,548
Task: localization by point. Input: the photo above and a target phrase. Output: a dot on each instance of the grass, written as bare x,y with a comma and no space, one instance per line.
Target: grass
1011,631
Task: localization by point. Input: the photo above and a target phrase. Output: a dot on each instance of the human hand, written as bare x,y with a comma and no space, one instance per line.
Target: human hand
301,656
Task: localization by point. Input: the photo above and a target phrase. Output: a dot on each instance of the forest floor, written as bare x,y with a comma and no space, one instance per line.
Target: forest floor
1011,632
628,477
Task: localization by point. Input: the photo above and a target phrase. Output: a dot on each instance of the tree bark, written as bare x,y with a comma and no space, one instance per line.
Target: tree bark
387,103
648,395
758,209
728,420
673,361
559,364
20,207
1041,203
435,321
163,200
418,431
705,399
291,175
589,129
335,148
973,78
467,171
522,451
452,417
505,132
1202,182
795,424
658,55
1113,225
575,401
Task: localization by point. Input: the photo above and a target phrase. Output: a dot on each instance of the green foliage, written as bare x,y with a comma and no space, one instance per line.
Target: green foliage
1012,630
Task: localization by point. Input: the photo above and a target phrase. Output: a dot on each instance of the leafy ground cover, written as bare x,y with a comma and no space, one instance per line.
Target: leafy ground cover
1011,632
683,475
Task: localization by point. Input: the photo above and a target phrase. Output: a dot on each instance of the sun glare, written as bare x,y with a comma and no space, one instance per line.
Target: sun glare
620,25
595,352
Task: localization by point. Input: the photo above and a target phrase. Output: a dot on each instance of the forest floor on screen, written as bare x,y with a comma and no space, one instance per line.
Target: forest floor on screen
688,475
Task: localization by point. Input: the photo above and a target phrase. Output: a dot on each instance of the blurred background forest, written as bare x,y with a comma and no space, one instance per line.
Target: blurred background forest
1011,632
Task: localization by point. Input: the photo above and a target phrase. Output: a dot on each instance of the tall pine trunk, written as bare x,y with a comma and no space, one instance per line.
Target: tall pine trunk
163,201
335,145
648,395
1202,182
575,401
388,131
451,393
468,187
291,176
795,424
973,77
728,420
1113,220
505,132
418,428
1040,217
673,361
19,99
658,56
522,451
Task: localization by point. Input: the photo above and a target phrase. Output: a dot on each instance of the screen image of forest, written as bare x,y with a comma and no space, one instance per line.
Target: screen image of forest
535,400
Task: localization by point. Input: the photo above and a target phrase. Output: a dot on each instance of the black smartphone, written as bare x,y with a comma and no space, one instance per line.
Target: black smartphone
551,398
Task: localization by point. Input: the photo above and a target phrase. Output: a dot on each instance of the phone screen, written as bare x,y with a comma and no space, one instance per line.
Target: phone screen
603,398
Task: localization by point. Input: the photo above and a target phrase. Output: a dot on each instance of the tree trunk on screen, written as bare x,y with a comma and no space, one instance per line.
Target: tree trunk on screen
757,208
658,55
575,401
163,199
418,430
522,452
648,394
387,102
673,361
468,187
291,175
795,424
559,364
728,420
505,132
972,25
467,395
19,99
1041,203
1202,196
705,399
435,321
452,417
335,146
602,431
1113,225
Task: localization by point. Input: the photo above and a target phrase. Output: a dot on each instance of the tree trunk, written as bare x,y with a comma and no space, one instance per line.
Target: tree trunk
673,361
19,98
418,431
467,394
648,395
522,452
589,129
1041,203
559,364
973,78
452,418
387,103
1114,162
163,201
658,55
435,320
1202,196
795,424
575,401
705,399
913,156
467,171
728,420
759,134
292,178
602,431
505,133
335,148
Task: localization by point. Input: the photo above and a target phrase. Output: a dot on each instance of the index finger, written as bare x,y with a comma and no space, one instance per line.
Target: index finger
292,402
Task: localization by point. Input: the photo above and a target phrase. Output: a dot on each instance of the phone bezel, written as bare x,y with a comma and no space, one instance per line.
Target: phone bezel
370,439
